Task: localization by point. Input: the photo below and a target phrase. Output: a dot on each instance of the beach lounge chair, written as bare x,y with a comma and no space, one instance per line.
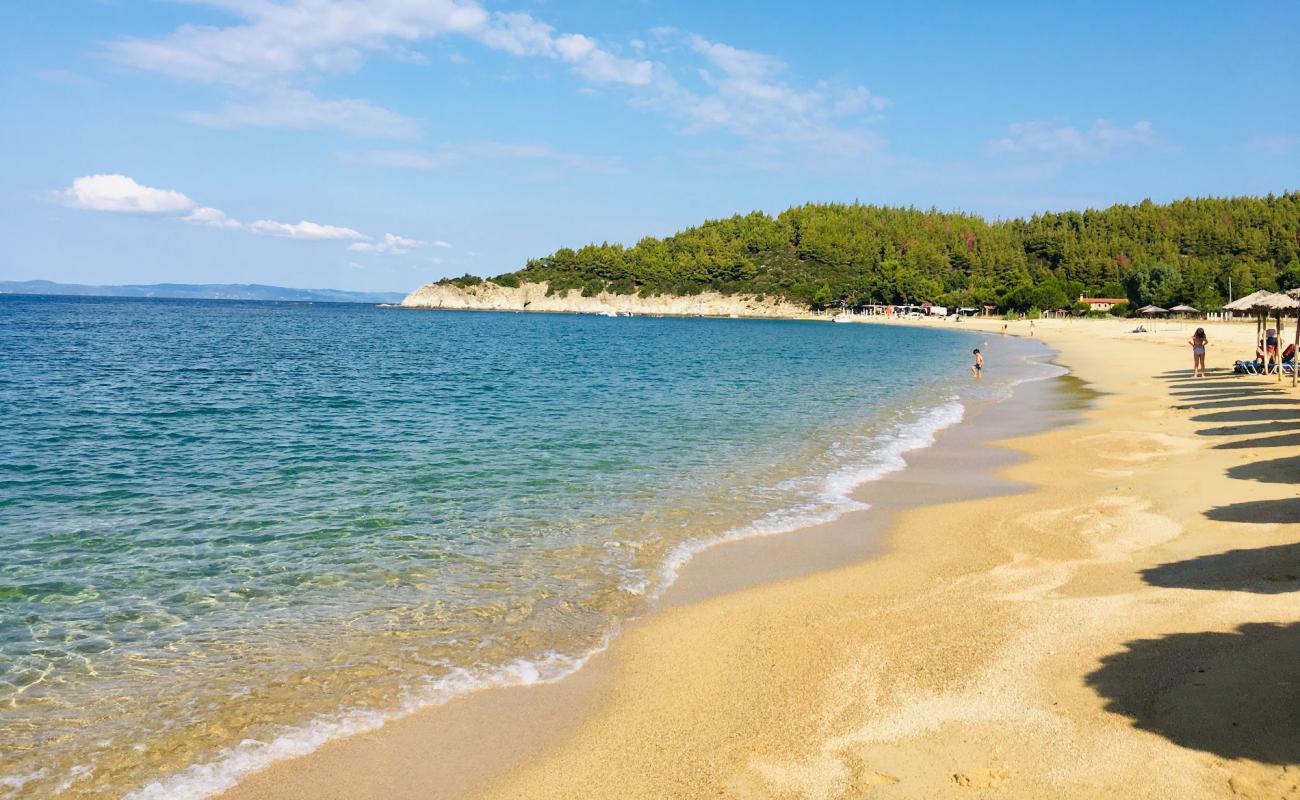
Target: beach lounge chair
1248,368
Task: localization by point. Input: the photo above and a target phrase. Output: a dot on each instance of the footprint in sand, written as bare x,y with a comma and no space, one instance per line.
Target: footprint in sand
1281,785
982,778
1137,446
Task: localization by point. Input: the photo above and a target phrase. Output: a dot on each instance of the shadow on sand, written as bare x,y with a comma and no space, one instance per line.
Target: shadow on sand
1235,694
1260,511
1261,570
1277,470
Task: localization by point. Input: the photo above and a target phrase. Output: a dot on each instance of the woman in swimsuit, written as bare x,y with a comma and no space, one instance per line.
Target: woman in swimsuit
1198,343
978,366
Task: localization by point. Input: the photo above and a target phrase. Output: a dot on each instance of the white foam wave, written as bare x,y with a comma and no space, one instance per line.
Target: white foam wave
211,778
836,496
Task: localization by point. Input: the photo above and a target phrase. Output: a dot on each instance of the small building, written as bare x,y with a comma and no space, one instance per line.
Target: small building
1102,303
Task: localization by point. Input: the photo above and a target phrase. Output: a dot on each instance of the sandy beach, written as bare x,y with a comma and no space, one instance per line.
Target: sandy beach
1115,614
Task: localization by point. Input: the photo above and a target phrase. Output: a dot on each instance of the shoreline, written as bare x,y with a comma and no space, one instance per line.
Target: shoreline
1125,628
710,569
1044,650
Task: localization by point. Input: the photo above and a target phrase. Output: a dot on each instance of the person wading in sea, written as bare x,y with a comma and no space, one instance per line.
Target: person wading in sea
978,367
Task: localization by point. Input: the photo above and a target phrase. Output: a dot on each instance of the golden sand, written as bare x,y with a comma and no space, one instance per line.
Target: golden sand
1130,627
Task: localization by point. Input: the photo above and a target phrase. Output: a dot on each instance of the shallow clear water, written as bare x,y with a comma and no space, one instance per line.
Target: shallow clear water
229,531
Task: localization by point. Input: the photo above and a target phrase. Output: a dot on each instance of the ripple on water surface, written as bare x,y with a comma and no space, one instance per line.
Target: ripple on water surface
233,530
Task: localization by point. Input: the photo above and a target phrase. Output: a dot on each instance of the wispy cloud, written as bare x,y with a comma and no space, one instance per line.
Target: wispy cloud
1101,139
752,96
391,244
276,41
271,47
1278,145
454,155
303,230
212,217
65,77
297,108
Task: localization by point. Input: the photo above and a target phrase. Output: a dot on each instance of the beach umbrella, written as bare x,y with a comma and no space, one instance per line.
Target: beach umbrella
1247,304
1185,309
1278,306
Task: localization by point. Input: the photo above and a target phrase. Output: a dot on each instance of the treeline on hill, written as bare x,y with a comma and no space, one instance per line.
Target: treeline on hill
855,255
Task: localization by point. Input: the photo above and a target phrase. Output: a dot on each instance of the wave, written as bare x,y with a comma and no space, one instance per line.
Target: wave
836,496
250,756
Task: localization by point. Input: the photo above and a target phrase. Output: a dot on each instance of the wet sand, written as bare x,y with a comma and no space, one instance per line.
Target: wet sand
1106,608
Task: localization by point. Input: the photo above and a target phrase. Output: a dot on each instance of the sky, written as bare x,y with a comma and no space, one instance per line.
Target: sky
382,144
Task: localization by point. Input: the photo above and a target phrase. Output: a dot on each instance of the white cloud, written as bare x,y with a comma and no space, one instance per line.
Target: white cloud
1101,139
278,40
271,46
120,194
391,244
441,243
302,109
303,230
212,217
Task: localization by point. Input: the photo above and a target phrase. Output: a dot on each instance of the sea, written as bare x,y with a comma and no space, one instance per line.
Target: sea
233,531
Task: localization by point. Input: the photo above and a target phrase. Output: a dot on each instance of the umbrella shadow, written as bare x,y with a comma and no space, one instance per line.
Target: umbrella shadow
1249,430
1234,694
1277,470
1250,415
1261,570
1236,401
1285,440
1262,512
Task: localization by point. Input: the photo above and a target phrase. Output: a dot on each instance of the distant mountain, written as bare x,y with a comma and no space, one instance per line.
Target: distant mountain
202,291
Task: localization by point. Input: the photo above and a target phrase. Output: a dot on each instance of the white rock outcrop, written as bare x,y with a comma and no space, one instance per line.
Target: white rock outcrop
489,296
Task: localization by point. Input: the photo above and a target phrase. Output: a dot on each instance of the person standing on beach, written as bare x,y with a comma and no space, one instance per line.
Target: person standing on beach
1031,327
1198,343
977,368
1004,329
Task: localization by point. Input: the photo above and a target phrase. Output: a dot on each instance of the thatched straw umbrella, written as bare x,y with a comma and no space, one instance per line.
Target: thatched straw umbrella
1247,304
1185,310
1277,305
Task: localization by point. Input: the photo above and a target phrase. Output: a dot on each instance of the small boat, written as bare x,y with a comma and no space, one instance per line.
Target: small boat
842,317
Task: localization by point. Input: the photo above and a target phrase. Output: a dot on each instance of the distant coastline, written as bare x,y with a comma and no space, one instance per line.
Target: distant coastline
200,291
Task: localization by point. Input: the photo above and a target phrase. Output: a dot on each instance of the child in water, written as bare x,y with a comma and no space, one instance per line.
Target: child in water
978,366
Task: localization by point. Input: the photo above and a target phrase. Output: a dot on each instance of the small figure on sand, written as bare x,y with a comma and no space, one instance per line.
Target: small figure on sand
977,368
1031,327
1198,342
1004,329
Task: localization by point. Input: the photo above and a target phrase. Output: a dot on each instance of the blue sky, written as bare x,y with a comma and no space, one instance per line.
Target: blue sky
379,144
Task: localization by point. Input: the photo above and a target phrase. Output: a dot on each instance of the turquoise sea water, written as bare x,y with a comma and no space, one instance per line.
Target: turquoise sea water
230,531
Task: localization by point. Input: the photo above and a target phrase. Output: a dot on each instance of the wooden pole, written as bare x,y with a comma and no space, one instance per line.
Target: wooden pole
1278,352
1259,339
1295,359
